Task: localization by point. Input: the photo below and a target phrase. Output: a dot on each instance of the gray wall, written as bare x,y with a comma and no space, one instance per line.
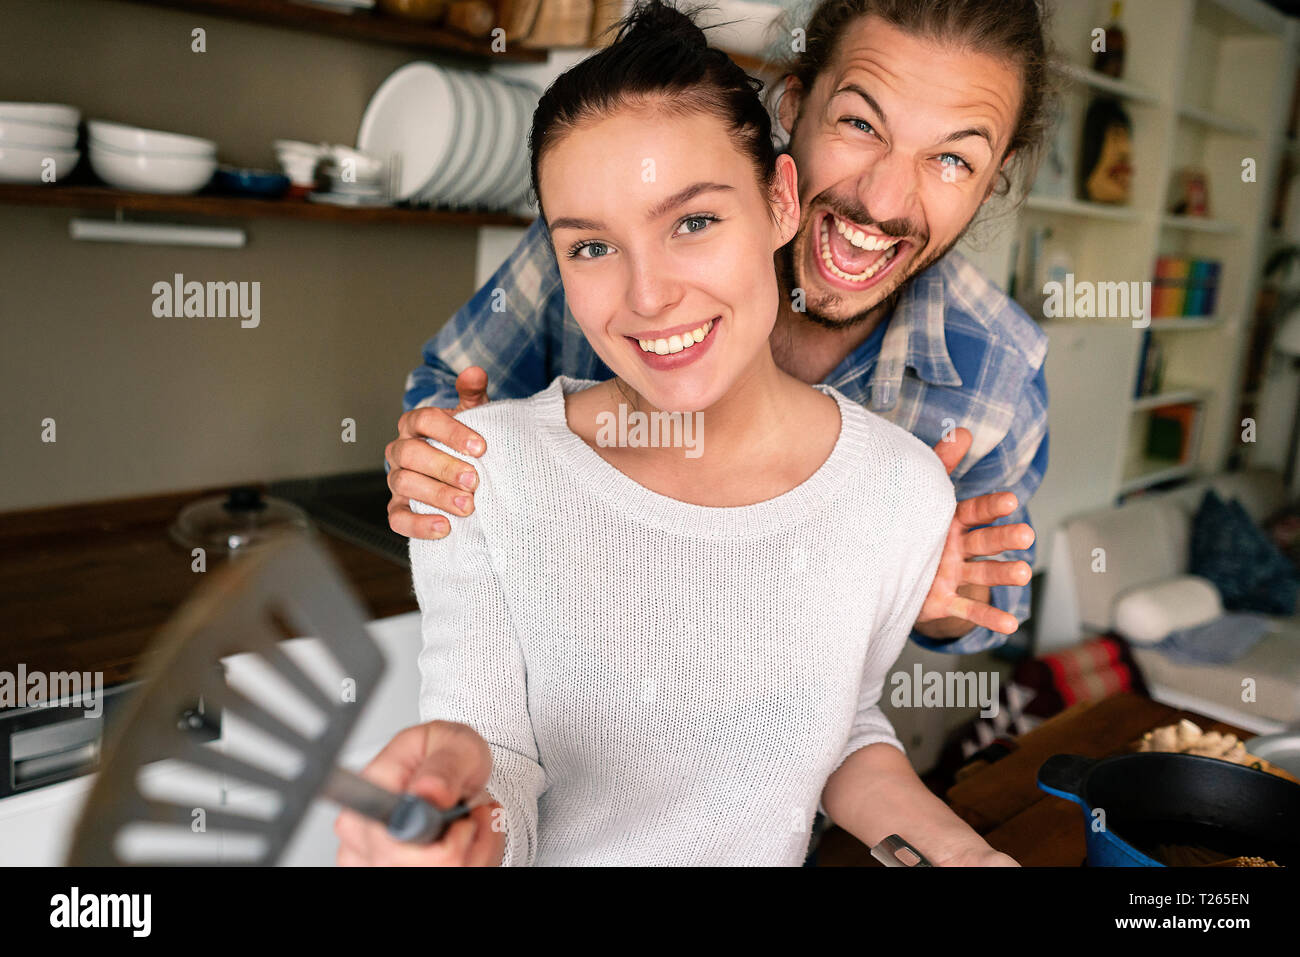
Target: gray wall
144,404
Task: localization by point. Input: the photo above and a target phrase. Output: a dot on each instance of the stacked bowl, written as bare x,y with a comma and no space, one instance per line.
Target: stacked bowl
150,161
460,137
38,142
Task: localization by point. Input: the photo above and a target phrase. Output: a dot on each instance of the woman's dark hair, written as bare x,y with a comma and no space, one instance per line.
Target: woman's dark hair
661,59
1015,30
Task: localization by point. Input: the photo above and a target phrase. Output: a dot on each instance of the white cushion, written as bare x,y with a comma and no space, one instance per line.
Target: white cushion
1147,614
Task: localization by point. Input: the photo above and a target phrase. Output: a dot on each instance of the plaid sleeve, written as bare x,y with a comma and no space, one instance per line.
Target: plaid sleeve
509,328
1016,465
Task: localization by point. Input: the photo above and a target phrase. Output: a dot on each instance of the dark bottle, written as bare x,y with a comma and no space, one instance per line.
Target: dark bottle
1110,61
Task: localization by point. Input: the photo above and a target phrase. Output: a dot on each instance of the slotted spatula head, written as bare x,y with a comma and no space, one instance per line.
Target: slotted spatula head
161,796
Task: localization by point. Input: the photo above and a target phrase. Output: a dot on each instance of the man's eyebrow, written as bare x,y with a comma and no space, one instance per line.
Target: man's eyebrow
659,209
871,100
981,131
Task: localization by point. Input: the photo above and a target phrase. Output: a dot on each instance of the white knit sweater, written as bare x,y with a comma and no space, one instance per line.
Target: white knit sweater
668,683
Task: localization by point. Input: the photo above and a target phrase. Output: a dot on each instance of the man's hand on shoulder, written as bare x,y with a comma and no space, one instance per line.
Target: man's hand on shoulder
419,471
959,596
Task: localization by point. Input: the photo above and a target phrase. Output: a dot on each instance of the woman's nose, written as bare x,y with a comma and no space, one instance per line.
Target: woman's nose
652,287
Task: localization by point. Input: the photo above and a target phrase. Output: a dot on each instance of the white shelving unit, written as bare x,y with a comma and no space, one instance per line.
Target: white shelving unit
1206,84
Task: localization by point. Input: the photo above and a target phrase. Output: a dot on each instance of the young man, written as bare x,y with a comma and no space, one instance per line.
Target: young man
904,116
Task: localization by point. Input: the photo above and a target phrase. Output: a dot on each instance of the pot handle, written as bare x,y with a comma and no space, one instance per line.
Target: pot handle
1063,774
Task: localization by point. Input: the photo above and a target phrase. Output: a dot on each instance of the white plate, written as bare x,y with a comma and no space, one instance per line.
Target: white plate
471,129
25,166
486,161
517,185
503,159
133,139
516,144
37,135
459,104
411,114
338,199
52,114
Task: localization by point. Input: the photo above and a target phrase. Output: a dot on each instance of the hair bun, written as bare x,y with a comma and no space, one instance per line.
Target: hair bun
661,18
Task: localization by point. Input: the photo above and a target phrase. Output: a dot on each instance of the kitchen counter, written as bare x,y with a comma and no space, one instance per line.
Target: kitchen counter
86,587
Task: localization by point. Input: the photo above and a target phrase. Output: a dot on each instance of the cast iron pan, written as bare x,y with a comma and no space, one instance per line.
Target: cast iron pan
1153,799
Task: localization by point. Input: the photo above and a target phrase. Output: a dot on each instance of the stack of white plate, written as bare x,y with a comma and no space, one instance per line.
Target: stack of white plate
38,142
150,161
461,138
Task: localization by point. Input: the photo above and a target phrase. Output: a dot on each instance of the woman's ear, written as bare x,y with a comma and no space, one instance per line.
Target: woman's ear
785,198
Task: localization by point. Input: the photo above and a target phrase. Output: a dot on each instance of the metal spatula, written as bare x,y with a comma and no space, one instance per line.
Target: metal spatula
246,606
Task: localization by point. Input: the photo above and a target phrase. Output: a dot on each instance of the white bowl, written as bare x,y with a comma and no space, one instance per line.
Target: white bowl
37,135
297,148
365,166
150,172
134,139
18,165
51,114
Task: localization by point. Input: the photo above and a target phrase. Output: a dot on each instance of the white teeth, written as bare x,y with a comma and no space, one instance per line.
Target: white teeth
676,343
863,240
830,263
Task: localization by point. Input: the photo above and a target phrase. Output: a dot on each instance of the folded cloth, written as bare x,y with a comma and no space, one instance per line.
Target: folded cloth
1217,642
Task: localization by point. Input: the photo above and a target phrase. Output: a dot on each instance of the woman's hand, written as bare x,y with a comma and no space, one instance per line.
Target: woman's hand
974,854
443,762
419,471
959,596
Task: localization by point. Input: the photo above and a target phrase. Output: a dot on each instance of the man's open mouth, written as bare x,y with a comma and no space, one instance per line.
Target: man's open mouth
853,255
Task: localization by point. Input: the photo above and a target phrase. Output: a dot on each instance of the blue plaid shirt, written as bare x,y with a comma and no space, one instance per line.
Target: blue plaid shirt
956,352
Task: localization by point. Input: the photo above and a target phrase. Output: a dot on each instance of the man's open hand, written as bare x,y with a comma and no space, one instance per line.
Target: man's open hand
959,596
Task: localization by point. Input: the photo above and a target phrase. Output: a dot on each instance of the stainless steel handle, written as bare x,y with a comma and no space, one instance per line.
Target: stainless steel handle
893,851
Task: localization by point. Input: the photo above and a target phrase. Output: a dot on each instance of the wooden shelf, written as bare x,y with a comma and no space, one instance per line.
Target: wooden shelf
1216,122
238,207
1169,397
1178,323
1076,207
753,64
362,25
1104,83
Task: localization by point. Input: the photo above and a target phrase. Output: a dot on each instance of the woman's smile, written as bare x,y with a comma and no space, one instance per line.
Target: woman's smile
667,349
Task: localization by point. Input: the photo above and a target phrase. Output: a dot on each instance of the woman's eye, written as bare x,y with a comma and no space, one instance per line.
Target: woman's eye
575,252
702,220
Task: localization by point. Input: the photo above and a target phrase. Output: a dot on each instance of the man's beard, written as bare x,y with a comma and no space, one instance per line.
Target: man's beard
786,273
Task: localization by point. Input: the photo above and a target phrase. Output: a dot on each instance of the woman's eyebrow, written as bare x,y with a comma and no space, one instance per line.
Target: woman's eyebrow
659,209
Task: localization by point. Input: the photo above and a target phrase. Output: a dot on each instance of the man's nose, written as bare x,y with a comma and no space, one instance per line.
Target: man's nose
889,188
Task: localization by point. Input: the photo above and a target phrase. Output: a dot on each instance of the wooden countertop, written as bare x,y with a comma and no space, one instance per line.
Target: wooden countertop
86,587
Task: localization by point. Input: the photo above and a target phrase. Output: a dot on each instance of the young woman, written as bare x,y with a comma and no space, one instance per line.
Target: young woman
671,652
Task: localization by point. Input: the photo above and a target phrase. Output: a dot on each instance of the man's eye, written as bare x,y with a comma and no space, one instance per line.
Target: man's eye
860,124
951,161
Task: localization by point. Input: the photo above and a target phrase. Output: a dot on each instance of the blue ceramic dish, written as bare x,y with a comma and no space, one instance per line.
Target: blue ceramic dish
250,182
